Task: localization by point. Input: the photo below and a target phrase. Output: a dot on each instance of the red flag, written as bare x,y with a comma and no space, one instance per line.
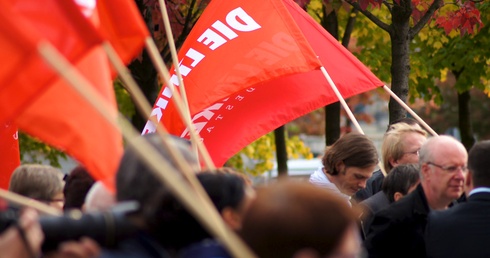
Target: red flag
25,76
9,153
257,107
232,46
122,25
59,116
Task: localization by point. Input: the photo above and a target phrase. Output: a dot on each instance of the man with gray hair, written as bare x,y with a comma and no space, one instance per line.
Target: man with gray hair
398,231
461,231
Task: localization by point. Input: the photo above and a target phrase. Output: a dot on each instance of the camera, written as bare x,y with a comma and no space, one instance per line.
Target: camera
106,228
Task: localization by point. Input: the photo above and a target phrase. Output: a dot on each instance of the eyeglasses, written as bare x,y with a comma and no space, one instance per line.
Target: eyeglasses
415,152
450,169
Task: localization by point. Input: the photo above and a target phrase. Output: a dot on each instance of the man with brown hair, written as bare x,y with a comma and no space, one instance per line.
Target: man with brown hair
347,165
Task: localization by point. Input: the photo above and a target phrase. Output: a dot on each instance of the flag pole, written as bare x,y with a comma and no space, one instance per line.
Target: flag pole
148,154
347,109
175,62
145,109
181,107
409,110
28,202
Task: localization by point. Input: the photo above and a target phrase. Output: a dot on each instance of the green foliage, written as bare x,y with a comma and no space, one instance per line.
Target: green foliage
436,53
258,157
33,151
124,102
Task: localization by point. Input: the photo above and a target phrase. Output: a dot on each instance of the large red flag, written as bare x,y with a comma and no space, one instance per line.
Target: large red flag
233,45
25,76
255,108
9,153
59,116
122,25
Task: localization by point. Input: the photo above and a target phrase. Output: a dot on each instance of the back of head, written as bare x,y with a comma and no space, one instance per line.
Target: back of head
224,189
353,149
400,179
392,147
99,198
165,217
479,164
40,182
406,120
78,183
291,216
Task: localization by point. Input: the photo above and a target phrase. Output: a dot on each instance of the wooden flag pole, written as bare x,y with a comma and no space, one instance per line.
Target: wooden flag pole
409,110
175,62
347,109
148,154
28,202
181,108
145,109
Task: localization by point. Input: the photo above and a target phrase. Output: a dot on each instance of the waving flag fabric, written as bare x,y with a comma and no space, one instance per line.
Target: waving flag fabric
58,116
122,25
252,99
25,76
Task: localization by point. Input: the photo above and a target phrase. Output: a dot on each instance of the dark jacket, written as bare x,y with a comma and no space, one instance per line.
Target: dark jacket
373,185
398,231
370,207
461,231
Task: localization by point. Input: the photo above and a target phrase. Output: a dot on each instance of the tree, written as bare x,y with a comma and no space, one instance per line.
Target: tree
464,56
406,19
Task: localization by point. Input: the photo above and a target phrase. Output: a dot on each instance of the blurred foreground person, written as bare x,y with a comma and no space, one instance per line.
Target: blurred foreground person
347,165
99,198
232,197
24,239
398,231
293,219
462,231
40,182
162,225
77,185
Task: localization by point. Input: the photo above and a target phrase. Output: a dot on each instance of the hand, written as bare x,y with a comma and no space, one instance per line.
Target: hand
13,245
84,248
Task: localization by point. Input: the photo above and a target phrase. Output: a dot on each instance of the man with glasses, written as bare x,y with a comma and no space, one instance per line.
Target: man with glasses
462,231
401,145
398,231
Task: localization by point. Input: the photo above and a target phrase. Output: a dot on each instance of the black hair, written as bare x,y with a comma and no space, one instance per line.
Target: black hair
479,164
400,179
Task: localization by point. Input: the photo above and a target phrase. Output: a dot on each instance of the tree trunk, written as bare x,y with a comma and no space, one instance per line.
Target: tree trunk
464,115
332,111
144,72
400,65
281,153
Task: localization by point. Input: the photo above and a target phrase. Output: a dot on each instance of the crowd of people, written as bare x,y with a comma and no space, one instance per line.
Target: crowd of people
427,200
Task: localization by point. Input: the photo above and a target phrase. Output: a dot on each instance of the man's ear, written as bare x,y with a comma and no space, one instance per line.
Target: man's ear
397,196
340,166
232,218
468,183
425,170
393,162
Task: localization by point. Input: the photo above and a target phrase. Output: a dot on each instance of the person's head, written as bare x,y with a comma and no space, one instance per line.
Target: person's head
402,180
401,145
41,182
98,198
77,184
350,162
479,165
293,219
406,120
164,216
443,162
230,195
